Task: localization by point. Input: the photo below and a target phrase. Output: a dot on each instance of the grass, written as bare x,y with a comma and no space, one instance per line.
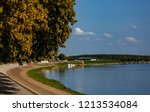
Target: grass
36,74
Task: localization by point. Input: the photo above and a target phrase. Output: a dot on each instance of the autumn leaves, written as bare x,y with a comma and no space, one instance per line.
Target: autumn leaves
33,30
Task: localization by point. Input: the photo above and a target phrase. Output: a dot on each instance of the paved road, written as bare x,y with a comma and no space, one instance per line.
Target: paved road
18,74
10,87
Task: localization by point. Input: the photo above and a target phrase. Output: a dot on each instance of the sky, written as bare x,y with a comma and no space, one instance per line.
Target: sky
110,27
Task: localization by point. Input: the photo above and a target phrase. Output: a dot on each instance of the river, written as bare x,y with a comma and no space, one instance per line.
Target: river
126,79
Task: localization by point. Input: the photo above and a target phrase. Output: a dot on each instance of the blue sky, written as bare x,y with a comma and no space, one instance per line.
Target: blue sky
110,27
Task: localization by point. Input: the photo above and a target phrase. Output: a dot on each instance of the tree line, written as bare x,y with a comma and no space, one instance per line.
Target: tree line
112,57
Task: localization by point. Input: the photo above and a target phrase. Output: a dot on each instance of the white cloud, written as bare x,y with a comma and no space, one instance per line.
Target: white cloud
79,31
107,35
91,39
131,40
134,27
131,27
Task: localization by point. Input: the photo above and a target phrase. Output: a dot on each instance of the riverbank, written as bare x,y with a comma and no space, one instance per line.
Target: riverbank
107,62
19,75
37,75
104,79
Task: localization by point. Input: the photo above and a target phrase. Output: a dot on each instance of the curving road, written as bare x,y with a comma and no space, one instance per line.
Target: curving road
9,86
19,75
16,82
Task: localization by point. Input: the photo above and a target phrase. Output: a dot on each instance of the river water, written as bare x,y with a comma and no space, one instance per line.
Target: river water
127,79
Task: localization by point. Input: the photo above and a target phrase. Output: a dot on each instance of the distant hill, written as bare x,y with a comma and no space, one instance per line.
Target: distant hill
113,57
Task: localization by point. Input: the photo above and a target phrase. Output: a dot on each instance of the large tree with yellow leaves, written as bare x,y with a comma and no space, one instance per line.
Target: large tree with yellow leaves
33,30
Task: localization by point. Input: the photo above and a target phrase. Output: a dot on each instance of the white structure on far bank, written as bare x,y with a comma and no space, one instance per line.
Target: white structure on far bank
71,65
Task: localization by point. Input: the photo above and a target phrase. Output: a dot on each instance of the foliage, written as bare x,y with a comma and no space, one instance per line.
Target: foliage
112,57
33,30
62,57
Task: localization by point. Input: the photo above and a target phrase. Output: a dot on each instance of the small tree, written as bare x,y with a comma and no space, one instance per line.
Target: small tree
62,57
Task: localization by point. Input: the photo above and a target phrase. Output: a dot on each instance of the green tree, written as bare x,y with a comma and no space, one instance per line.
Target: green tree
62,57
33,30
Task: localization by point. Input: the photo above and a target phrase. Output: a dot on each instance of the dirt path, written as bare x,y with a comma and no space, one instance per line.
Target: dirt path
19,75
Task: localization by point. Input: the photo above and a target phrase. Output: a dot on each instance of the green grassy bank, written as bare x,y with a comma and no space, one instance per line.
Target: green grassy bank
36,74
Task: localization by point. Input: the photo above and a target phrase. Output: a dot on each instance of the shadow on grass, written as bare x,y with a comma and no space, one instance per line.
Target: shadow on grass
7,86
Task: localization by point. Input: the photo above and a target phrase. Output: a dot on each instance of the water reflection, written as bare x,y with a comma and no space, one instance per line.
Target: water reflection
108,79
